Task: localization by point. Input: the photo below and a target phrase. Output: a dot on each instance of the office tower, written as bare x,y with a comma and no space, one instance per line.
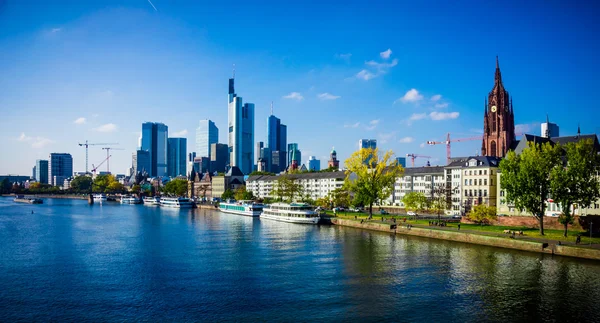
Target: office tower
241,132
202,164
219,158
140,162
33,171
41,171
401,161
294,154
276,161
259,145
206,135
277,142
190,162
154,140
266,156
314,164
367,143
549,130
60,167
176,153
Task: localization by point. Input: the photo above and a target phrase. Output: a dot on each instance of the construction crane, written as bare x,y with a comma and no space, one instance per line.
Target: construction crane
94,168
448,141
413,156
86,144
108,149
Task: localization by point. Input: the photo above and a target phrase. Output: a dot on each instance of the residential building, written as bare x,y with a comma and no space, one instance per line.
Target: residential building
176,157
549,130
418,179
219,159
41,171
154,140
479,182
294,154
314,164
140,161
314,185
207,134
277,142
60,166
333,162
401,161
241,132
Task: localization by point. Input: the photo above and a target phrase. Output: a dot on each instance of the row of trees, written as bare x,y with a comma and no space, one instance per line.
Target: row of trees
567,174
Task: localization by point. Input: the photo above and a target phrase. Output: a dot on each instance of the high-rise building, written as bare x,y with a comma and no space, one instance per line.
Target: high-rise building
314,164
154,140
498,120
190,162
202,164
41,171
259,145
401,161
219,158
276,157
140,162
206,135
33,171
60,167
549,130
294,154
277,142
241,132
367,143
266,156
176,154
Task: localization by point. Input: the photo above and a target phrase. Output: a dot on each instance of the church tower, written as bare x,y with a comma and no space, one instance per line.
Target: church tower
498,120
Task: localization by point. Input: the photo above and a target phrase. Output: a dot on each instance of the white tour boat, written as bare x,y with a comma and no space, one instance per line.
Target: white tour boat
99,197
130,200
294,212
176,202
247,208
152,201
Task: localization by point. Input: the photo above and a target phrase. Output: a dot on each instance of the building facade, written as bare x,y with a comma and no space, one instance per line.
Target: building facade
154,140
479,182
277,143
333,162
41,171
417,179
549,130
60,166
314,185
219,158
141,162
498,120
241,132
401,161
176,157
314,164
190,162
207,134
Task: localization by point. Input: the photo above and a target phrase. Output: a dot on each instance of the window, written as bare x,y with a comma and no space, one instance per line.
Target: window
479,193
231,129
485,172
480,181
470,172
485,181
501,193
484,192
470,182
466,182
480,172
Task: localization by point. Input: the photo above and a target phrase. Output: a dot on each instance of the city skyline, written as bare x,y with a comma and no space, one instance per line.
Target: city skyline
99,83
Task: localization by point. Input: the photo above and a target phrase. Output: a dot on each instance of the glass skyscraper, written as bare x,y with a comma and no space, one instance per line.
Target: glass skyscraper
277,142
60,167
154,140
141,162
367,143
207,134
176,156
240,132
294,153
314,164
41,171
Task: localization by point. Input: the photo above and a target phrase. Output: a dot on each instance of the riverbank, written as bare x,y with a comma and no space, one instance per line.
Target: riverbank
53,196
487,239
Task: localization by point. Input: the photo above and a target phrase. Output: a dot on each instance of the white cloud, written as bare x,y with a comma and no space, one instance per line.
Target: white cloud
95,115
411,95
344,57
386,54
355,125
530,128
436,97
385,137
441,105
417,116
372,124
365,75
36,142
381,66
294,96
422,145
109,127
181,133
328,96
79,120
55,30
443,115
406,140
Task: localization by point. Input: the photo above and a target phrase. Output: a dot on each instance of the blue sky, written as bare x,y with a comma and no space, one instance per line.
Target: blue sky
399,72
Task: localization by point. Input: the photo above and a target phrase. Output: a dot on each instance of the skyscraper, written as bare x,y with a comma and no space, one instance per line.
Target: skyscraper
219,158
176,153
140,161
241,132
277,142
401,161
294,154
154,140
41,171
549,130
206,135
367,143
60,167
314,164
190,162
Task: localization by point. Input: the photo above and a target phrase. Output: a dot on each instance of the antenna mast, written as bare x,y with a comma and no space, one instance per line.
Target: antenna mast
271,107
233,71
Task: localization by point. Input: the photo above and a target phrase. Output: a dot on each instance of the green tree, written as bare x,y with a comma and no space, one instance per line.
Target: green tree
256,173
176,187
5,186
439,200
101,182
371,176
526,178
287,189
340,197
135,188
322,202
576,183
482,214
114,187
228,194
242,194
81,184
415,201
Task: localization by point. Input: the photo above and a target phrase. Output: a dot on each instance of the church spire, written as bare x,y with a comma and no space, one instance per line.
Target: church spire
498,76
486,107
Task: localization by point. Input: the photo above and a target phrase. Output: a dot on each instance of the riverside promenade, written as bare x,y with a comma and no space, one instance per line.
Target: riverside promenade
494,239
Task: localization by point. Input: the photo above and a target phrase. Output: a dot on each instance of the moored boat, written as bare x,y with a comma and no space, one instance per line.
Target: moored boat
294,213
30,200
99,197
152,201
246,208
176,202
130,200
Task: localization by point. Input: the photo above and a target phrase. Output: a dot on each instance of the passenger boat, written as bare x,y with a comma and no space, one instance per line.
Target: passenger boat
30,200
130,200
247,208
99,197
294,213
176,202
152,201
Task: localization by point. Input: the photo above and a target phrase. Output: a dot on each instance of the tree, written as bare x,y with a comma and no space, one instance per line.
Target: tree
81,184
322,202
371,175
526,178
242,194
101,182
5,186
176,187
256,173
135,188
286,188
482,214
415,201
576,183
340,197
228,194
439,200
114,187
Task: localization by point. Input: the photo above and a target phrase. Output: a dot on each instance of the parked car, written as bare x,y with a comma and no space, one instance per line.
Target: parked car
411,213
353,209
338,209
383,212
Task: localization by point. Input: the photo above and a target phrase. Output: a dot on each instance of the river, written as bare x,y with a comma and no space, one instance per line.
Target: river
68,261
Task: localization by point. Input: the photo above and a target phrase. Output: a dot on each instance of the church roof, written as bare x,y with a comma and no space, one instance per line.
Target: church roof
234,171
522,144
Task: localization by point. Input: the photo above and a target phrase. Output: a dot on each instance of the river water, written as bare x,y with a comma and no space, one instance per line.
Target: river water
68,261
